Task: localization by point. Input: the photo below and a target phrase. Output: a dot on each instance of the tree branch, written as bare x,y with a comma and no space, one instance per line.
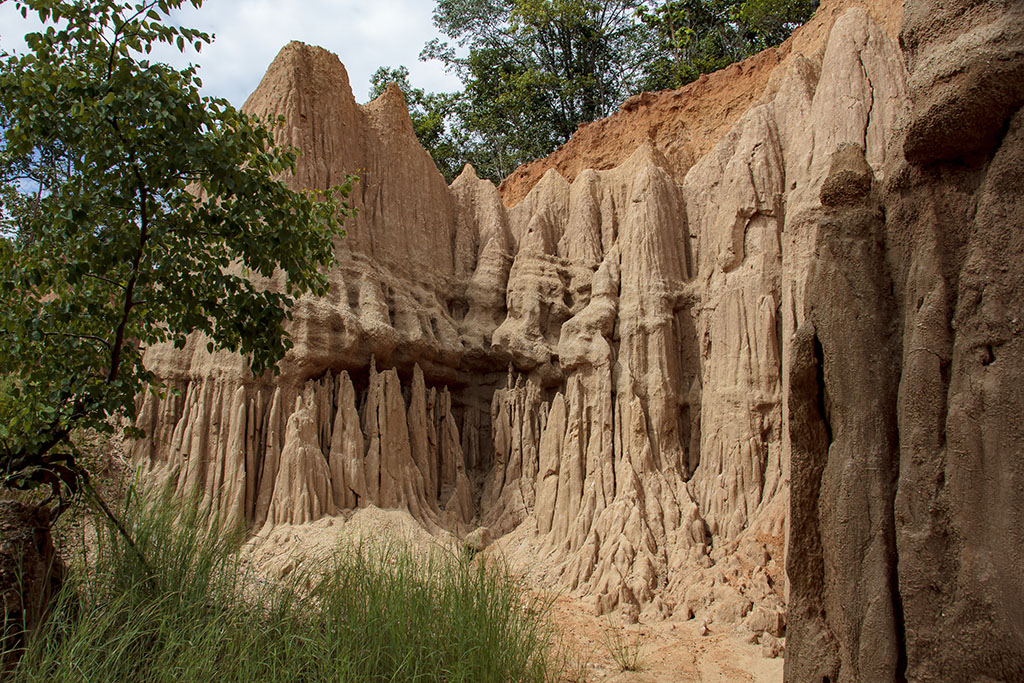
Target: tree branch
129,290
87,337
105,279
98,499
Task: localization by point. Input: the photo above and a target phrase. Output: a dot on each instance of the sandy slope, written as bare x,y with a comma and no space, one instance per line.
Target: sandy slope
669,650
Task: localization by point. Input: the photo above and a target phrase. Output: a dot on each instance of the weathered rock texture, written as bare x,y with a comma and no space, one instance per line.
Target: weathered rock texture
771,319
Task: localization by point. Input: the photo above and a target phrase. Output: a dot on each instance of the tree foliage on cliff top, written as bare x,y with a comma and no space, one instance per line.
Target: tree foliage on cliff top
533,71
135,211
695,37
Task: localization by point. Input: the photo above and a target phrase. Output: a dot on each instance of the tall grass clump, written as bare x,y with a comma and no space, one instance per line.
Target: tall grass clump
415,618
623,648
189,611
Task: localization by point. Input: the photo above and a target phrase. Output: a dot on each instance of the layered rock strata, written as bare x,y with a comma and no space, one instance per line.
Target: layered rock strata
657,380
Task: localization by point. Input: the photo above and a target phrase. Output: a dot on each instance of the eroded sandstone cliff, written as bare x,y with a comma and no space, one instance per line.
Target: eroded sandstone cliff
771,320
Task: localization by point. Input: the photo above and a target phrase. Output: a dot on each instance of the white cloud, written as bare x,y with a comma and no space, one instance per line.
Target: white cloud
365,34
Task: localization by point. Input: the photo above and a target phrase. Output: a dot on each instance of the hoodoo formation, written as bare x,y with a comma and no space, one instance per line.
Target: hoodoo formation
751,351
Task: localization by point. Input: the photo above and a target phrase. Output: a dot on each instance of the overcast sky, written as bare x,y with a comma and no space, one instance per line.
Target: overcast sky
365,34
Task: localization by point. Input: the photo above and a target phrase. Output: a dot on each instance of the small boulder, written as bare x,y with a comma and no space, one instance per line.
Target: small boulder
772,647
765,620
478,539
729,607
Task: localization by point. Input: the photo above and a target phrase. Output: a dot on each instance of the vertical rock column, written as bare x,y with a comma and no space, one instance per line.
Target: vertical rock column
851,516
734,198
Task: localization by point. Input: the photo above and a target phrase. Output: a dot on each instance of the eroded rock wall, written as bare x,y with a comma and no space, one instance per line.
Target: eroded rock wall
905,410
659,380
595,374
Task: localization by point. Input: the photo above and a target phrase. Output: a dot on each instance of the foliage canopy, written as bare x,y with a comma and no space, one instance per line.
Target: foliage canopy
535,70
695,37
135,211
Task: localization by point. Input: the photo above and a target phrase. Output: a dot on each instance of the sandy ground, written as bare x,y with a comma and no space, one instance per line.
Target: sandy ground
666,650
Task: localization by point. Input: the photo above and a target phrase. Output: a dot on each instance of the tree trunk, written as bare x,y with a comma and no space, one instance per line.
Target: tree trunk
30,575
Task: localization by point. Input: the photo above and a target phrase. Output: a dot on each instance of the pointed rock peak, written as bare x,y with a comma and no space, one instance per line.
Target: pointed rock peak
389,113
552,177
588,176
551,183
307,67
645,155
468,175
392,98
469,184
393,92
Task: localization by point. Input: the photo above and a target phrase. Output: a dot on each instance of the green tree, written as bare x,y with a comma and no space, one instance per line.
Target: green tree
534,70
135,212
695,37
769,22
